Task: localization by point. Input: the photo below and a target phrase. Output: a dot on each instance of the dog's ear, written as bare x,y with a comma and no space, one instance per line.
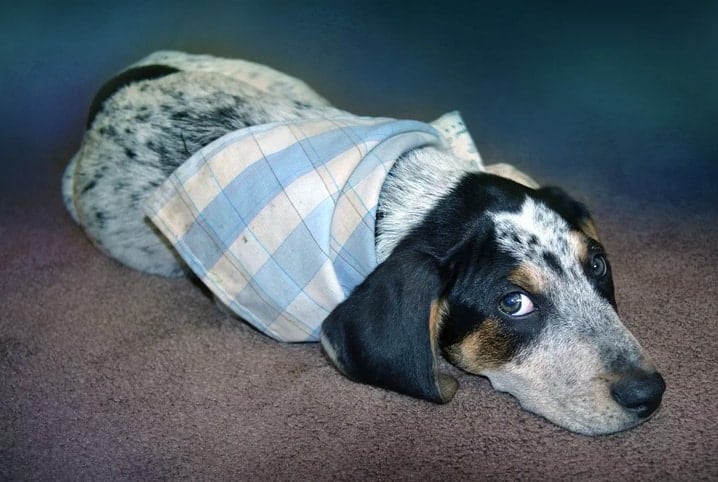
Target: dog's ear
385,333
573,211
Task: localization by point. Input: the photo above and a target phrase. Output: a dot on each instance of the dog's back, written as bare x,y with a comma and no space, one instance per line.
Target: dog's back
150,118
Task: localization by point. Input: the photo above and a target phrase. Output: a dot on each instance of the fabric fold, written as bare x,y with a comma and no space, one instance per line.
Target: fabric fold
277,220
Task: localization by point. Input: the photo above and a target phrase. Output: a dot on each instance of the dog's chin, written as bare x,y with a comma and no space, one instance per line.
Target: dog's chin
595,424
590,413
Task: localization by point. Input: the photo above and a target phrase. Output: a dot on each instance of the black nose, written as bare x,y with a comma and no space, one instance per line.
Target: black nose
639,392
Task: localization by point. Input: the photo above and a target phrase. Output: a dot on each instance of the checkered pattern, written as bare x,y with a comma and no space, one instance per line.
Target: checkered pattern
277,220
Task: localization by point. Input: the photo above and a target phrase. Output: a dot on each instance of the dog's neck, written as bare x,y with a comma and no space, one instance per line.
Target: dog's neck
414,185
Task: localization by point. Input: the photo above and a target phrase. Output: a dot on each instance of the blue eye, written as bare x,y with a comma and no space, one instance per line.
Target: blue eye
516,304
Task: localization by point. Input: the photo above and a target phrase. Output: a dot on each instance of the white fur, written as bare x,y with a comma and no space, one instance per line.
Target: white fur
416,184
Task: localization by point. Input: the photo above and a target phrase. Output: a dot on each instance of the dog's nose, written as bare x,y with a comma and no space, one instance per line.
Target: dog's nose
639,392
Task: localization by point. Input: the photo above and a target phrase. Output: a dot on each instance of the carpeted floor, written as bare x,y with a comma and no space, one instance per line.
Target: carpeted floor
108,374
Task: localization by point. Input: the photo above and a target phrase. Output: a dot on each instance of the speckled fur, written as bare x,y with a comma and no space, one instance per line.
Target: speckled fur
147,129
566,372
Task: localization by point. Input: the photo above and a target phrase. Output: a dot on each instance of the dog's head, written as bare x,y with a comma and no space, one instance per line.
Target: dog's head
511,283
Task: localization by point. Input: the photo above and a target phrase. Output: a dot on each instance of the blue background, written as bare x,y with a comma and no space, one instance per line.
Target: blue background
612,100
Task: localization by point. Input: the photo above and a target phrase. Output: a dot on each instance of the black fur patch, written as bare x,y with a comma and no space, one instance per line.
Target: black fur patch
552,261
127,77
89,186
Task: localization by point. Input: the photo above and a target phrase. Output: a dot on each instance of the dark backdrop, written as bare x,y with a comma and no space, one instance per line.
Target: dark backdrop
601,96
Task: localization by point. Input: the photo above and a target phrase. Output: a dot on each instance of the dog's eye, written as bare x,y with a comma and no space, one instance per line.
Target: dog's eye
516,304
599,266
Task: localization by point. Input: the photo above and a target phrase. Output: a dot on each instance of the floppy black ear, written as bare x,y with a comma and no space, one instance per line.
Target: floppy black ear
385,333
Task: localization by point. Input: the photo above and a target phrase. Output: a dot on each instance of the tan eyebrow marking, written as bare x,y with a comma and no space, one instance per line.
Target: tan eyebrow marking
578,241
589,228
528,277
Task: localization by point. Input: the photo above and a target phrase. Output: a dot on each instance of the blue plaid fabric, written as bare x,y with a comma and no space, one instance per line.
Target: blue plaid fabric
277,220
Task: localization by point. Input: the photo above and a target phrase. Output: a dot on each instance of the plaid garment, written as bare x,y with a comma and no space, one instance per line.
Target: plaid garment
277,220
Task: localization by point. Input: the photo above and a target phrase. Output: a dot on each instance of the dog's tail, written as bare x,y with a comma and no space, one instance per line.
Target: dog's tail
68,188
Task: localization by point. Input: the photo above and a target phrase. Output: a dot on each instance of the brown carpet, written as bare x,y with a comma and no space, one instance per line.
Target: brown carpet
106,373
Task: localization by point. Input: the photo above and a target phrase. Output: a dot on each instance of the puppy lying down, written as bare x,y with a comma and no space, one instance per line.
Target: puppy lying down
387,240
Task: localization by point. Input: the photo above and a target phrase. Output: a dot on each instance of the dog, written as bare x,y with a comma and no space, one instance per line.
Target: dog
505,279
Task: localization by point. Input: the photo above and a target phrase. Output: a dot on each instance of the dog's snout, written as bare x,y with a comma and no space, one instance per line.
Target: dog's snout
639,392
